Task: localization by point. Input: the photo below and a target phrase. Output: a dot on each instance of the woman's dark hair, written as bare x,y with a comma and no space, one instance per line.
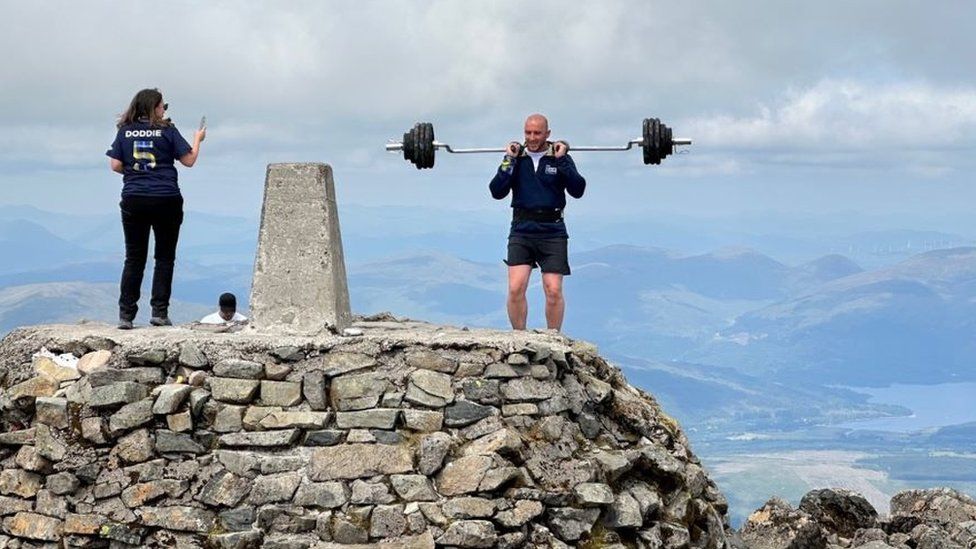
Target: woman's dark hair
143,106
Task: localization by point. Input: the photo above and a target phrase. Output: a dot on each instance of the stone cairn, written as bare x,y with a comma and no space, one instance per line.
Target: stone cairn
410,435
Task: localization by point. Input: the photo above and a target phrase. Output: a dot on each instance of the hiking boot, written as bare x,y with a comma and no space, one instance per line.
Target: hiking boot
160,321
125,324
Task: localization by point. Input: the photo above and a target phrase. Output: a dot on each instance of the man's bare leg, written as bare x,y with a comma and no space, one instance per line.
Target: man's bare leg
555,305
518,307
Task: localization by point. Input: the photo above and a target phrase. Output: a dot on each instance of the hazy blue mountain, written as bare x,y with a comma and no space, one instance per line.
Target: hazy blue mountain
71,302
25,245
913,322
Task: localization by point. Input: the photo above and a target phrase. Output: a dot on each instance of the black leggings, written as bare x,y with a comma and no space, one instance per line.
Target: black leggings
164,215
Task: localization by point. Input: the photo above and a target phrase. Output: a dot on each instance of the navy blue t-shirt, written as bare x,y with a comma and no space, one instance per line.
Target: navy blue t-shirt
148,154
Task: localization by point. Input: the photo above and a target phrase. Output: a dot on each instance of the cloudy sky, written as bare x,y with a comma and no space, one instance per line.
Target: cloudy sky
802,107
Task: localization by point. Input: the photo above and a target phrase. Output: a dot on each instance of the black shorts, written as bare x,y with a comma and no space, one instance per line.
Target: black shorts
550,254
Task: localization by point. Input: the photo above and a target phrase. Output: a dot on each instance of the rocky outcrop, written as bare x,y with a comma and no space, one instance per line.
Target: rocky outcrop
410,435
920,519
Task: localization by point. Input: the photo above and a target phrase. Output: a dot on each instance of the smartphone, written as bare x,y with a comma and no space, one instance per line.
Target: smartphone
203,122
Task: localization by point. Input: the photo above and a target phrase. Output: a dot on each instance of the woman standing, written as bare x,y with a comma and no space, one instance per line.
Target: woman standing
145,150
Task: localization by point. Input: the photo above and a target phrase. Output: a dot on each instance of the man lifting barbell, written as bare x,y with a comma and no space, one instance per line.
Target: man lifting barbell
538,174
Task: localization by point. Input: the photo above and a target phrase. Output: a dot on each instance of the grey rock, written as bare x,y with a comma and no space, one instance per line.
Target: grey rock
235,391
385,437
189,519
242,369
378,418
139,494
530,390
192,357
313,388
469,533
776,524
229,418
249,539
168,442
464,412
352,461
131,416
357,392
517,359
370,493
392,399
429,388
463,475
484,391
62,483
285,519
51,505
287,419
149,356
180,422
19,437
347,530
468,507
52,411
116,394
325,495
284,437
570,524
14,482
254,415
413,487
277,372
33,526
198,399
594,494
325,437
433,449
841,512
288,353
237,519
146,375
429,360
500,370
522,513
95,429
387,521
274,488
520,409
10,506
37,386
339,363
29,459
47,444
171,397
423,420
624,512
225,489
942,505
280,393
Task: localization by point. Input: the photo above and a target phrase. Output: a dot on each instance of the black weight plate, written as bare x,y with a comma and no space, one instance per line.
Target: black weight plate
421,155
668,142
428,141
415,139
655,141
408,146
430,127
646,144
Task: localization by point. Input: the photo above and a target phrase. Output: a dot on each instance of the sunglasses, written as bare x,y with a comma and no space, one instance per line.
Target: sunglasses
165,106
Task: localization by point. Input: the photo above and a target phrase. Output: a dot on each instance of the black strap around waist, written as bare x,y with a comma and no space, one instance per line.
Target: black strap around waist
545,216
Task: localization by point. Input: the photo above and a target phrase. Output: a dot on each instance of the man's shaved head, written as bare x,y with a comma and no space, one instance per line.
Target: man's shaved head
536,118
536,132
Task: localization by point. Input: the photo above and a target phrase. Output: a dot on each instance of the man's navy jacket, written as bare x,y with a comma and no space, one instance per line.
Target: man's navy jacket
544,188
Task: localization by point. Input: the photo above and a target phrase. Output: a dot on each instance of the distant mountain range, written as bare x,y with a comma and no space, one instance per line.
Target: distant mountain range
744,338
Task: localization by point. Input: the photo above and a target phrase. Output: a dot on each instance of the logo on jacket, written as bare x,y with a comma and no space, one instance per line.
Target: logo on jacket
551,170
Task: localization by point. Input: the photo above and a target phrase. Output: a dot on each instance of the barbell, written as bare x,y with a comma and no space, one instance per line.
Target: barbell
419,145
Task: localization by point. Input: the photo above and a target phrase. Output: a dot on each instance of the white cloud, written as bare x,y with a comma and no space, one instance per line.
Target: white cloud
846,115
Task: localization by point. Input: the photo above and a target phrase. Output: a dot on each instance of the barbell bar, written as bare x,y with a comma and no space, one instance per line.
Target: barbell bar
418,144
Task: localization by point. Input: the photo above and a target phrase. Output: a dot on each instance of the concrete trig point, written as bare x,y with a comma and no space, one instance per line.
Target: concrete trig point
299,281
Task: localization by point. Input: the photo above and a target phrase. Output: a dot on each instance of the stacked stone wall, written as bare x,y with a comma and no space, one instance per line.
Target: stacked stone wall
409,436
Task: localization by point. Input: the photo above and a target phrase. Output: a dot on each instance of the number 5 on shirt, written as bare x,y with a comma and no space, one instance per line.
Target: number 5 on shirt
142,150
